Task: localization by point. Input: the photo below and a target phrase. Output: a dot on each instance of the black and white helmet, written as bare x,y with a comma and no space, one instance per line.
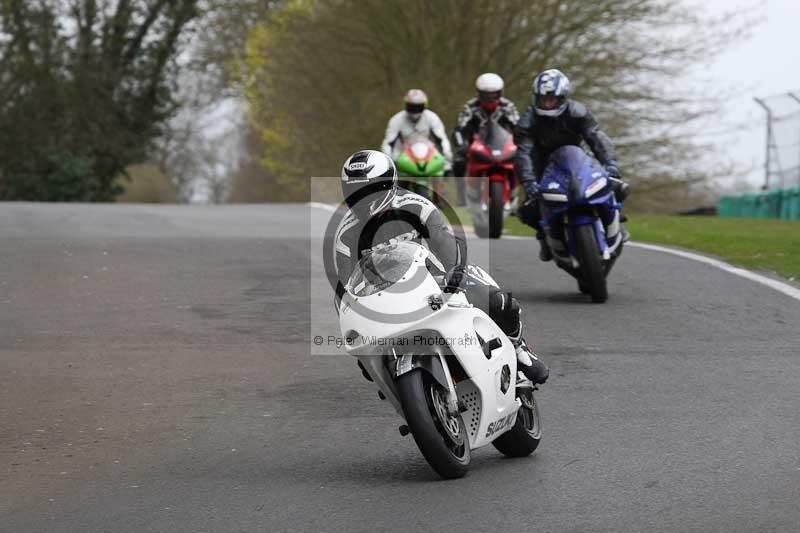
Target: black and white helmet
369,182
550,93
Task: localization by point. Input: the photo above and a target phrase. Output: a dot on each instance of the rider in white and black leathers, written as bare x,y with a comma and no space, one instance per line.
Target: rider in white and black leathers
489,104
381,213
553,121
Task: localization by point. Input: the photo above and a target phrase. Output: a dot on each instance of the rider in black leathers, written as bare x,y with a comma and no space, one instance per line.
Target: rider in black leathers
551,122
488,105
381,213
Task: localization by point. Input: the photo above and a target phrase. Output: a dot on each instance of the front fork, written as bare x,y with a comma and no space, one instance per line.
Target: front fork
581,220
507,189
436,366
600,235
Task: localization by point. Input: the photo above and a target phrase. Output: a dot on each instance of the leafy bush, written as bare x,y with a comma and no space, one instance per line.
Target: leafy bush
55,176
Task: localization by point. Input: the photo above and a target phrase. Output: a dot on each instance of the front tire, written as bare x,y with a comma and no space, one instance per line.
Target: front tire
522,439
495,209
441,438
592,270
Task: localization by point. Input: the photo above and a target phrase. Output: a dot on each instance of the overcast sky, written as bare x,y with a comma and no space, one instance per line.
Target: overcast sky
766,64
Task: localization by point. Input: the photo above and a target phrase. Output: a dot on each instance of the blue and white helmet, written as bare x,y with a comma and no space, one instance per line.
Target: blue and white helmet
550,93
369,182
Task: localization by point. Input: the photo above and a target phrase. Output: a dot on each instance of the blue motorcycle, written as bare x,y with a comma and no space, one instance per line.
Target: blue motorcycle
581,218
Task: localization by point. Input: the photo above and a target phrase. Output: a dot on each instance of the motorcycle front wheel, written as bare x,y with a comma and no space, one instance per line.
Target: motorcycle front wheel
591,264
441,437
495,209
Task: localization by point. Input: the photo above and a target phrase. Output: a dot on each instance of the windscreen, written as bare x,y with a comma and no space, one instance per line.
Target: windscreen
382,268
495,136
570,160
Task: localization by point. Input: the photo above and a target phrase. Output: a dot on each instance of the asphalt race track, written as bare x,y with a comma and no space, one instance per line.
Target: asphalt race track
155,376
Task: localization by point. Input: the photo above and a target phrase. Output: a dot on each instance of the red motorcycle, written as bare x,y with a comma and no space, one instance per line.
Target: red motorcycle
492,183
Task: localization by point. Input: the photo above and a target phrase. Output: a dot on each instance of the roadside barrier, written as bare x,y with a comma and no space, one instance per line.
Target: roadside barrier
778,203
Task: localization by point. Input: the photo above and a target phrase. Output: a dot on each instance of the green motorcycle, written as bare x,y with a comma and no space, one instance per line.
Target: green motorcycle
422,166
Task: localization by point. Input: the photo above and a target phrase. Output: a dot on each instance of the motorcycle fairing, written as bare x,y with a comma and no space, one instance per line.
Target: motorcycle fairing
565,205
477,372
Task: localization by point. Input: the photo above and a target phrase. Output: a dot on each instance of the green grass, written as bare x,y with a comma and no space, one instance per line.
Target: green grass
772,245
752,243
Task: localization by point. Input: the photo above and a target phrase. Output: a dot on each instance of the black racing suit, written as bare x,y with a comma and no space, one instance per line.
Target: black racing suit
538,136
413,217
470,120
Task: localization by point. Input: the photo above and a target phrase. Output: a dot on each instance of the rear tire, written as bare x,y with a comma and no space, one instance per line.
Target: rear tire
450,458
592,270
524,437
495,209
583,288
420,186
437,191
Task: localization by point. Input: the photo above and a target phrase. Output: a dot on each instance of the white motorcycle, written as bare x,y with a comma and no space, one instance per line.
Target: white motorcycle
444,365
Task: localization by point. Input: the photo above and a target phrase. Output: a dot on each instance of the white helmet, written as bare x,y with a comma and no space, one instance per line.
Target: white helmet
369,182
490,89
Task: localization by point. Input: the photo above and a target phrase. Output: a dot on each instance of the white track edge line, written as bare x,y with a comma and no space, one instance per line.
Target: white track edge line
327,207
785,288
779,286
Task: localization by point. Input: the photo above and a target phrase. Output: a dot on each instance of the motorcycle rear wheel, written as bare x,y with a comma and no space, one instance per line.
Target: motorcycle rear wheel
582,287
482,232
591,264
441,438
524,437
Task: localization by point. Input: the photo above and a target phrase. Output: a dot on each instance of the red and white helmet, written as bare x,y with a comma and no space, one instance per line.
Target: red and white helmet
416,101
490,88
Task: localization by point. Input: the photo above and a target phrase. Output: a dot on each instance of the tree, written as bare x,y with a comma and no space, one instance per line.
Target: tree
323,76
84,82
206,147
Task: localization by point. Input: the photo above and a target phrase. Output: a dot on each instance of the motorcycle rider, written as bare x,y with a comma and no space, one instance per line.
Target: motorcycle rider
554,120
380,212
416,120
489,104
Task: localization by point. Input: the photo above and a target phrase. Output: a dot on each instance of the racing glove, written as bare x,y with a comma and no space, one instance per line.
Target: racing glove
531,189
454,279
612,170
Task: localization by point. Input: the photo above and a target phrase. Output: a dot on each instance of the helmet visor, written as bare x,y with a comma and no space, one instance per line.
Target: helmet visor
415,108
548,101
364,201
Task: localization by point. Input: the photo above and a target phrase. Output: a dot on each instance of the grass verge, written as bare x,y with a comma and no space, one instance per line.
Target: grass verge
772,245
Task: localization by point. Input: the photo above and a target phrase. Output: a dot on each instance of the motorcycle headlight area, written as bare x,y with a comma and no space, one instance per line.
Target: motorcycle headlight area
509,156
596,186
556,197
482,157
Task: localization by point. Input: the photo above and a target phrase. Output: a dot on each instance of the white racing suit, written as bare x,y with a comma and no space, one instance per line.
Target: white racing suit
401,128
413,217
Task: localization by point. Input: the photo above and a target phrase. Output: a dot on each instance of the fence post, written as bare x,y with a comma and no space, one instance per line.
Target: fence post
796,99
766,108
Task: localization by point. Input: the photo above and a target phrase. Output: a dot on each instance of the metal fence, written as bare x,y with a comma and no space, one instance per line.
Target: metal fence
775,203
782,161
